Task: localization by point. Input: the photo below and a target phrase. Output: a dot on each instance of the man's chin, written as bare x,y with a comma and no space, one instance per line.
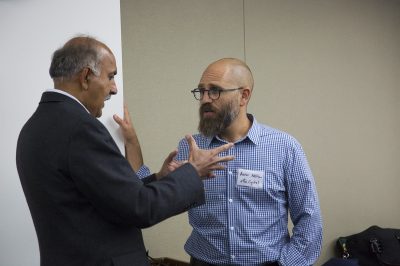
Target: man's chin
207,119
207,131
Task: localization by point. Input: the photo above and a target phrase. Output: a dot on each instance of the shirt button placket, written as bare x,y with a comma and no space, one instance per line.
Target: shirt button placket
230,208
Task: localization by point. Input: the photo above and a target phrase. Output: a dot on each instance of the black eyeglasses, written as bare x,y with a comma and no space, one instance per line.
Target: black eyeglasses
213,92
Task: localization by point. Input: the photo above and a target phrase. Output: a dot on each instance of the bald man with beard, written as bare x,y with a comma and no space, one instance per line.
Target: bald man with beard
245,218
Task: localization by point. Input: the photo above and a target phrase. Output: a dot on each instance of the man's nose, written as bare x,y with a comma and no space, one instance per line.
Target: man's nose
114,89
206,98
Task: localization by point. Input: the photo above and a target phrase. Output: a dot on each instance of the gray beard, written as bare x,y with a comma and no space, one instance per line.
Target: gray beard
210,127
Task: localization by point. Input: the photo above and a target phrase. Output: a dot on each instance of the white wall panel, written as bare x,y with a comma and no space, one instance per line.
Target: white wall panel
30,31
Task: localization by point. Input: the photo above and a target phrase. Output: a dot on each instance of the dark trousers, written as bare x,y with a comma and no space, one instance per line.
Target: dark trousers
197,262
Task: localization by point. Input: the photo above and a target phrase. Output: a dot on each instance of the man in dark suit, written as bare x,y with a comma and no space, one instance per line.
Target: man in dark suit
87,204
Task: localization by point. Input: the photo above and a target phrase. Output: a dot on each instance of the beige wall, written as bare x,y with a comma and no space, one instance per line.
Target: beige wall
327,72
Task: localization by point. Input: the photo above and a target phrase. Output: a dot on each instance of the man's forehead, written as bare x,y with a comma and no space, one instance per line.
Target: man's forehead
107,57
215,75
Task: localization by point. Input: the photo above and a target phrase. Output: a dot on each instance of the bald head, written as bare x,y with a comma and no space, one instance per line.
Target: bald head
76,54
86,41
235,70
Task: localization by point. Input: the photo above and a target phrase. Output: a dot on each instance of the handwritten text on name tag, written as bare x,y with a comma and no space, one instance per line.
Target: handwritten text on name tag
249,178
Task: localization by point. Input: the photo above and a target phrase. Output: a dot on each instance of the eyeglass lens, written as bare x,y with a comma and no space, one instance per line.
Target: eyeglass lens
213,93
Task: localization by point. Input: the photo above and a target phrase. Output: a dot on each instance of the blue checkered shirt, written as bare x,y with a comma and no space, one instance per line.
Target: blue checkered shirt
245,220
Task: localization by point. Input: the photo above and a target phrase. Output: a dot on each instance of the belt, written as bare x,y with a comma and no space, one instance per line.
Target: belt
197,262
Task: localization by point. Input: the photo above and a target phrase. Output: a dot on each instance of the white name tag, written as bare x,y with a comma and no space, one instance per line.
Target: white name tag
249,178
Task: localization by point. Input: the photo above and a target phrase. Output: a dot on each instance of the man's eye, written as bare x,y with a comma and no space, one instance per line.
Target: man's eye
214,90
111,77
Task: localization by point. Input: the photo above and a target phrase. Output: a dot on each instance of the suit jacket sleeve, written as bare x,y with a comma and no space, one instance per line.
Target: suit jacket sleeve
107,180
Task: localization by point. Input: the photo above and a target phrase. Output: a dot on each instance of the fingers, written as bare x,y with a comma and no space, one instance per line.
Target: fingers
209,176
117,119
222,148
169,165
206,161
123,122
171,156
127,116
225,158
217,167
172,166
192,143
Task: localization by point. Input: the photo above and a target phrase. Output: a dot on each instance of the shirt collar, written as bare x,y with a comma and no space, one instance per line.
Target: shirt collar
253,135
67,94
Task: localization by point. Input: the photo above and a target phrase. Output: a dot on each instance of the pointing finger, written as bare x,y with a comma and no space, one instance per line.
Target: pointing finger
117,119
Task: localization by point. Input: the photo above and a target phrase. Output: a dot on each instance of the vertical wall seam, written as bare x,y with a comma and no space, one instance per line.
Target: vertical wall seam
244,33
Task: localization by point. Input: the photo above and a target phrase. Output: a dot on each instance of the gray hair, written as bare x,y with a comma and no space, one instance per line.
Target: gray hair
74,56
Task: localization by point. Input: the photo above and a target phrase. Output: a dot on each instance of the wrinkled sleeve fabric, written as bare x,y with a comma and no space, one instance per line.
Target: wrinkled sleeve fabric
306,240
106,179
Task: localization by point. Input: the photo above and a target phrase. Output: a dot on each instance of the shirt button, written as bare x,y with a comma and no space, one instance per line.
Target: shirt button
233,256
232,228
230,172
230,200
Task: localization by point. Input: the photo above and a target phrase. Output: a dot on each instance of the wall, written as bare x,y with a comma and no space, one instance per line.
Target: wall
165,47
30,31
328,72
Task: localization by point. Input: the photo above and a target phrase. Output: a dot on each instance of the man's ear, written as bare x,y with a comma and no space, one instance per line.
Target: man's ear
84,77
246,94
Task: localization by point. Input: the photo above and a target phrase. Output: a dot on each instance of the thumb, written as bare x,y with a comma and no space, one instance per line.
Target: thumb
171,156
192,143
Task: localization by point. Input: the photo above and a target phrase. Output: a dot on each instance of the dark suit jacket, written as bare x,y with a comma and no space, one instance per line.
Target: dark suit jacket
86,202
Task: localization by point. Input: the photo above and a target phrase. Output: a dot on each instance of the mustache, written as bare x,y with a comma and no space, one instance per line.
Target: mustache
206,108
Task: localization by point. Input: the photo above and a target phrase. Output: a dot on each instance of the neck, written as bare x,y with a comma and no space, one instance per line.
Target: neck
237,130
70,87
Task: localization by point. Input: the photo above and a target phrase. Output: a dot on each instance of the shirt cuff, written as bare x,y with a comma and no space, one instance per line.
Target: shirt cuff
143,171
